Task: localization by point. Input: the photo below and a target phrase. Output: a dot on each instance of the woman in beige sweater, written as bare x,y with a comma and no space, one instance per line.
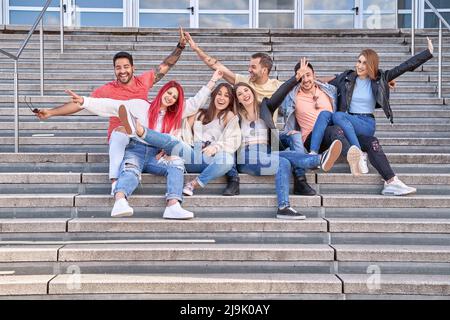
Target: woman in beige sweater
215,135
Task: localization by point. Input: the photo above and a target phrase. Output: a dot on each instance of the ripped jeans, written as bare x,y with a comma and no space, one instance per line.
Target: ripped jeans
140,158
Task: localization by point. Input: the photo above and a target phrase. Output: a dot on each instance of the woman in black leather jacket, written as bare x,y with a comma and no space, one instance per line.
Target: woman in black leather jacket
362,90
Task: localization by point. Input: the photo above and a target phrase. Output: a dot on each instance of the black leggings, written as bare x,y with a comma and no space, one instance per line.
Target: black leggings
369,144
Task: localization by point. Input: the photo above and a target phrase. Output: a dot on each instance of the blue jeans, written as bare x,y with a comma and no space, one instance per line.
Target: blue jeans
354,125
257,160
324,120
170,144
139,158
294,143
209,168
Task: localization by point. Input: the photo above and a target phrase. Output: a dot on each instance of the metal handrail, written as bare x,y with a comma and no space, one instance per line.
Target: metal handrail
39,20
441,21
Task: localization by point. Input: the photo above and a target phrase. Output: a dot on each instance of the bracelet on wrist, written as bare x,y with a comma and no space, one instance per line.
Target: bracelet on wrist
179,46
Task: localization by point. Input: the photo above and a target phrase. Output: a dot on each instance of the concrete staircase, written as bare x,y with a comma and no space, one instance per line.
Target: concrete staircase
58,240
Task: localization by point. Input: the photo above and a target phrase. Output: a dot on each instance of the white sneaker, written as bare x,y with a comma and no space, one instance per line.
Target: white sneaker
363,163
354,156
188,189
113,186
121,209
397,188
177,212
128,120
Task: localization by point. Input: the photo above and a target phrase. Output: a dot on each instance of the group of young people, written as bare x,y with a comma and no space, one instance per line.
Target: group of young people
237,131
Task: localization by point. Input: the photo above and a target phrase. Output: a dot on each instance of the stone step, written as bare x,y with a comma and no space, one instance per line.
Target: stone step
58,178
389,225
33,200
403,253
389,285
378,201
137,225
33,225
16,253
202,201
255,201
193,252
373,178
24,284
224,283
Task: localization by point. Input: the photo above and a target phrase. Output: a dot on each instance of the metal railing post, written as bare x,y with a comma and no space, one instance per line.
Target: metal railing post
440,61
61,25
41,55
16,106
413,26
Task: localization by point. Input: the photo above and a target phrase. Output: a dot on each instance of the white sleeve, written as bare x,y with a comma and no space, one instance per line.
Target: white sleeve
193,104
105,107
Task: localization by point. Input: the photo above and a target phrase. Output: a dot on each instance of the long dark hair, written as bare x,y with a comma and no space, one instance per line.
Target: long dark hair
207,115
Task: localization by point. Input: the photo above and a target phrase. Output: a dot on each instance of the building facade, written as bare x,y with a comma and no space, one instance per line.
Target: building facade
296,14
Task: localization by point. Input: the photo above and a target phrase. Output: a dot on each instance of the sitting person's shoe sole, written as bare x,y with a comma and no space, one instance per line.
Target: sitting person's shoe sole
353,159
331,155
126,120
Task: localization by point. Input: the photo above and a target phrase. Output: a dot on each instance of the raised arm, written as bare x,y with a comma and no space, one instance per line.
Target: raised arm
68,108
412,63
171,59
277,98
211,62
194,103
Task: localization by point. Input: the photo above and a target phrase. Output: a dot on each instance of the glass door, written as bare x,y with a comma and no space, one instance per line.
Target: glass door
378,14
26,12
166,13
224,14
88,13
330,14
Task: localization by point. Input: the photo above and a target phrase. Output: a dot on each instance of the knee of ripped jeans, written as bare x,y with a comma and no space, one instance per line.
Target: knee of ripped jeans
176,162
132,168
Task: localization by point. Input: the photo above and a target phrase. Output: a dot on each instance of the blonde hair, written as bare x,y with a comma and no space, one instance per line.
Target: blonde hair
240,108
372,62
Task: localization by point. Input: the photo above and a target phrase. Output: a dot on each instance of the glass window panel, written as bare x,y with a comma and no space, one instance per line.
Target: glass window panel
439,4
97,19
379,5
223,20
404,4
431,21
223,5
28,17
276,20
164,4
276,4
164,20
404,20
379,21
328,21
329,5
99,4
32,3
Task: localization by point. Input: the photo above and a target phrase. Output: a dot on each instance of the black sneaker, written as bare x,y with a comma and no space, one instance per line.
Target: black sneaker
330,155
290,214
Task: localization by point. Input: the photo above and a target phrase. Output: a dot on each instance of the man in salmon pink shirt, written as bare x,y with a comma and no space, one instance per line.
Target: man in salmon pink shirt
126,86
